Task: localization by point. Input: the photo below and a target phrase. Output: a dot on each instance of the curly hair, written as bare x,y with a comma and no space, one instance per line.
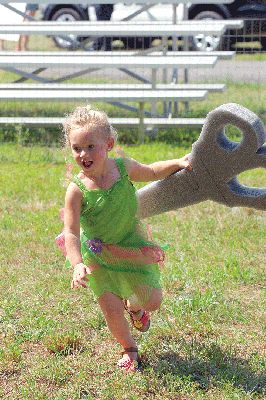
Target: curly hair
86,116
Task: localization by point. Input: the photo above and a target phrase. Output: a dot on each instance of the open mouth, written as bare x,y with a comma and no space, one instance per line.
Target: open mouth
87,164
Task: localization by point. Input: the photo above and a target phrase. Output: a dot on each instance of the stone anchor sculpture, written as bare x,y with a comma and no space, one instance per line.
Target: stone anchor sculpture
216,162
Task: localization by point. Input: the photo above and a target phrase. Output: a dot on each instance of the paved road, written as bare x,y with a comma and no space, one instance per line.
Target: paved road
224,70
236,71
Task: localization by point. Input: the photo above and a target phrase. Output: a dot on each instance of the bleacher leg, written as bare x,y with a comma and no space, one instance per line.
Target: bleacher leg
141,122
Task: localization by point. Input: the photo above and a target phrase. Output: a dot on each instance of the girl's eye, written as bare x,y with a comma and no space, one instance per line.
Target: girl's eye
91,146
76,149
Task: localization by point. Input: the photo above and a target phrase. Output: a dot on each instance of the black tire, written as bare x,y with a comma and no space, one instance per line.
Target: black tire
263,43
208,42
67,14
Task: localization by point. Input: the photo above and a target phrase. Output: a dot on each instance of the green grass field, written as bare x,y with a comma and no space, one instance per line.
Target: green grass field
250,95
206,342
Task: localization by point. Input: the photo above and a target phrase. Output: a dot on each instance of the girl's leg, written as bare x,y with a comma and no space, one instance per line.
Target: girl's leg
113,310
152,304
139,314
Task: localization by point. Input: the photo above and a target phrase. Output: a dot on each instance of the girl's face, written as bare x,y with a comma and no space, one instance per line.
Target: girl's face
90,149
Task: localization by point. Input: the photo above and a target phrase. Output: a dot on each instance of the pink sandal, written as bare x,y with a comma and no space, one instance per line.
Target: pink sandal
142,324
129,364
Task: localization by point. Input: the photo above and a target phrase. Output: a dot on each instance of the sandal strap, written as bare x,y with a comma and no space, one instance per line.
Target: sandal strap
130,350
128,310
134,312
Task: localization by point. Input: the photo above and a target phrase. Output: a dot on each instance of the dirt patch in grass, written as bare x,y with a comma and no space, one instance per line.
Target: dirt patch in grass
250,297
31,349
248,333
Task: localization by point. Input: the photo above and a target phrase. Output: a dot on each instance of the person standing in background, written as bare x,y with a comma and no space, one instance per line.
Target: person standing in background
23,41
103,13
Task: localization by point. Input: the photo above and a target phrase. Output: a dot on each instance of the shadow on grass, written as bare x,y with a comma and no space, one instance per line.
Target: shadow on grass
213,367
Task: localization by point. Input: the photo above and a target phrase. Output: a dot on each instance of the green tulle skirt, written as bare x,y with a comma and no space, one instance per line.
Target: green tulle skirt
121,257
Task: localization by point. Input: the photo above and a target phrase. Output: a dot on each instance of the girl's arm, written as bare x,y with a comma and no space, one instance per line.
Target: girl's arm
73,202
152,172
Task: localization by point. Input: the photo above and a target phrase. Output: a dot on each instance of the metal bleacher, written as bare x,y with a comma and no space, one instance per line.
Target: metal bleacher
30,65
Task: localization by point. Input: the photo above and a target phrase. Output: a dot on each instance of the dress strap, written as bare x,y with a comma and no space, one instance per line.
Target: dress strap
79,183
121,166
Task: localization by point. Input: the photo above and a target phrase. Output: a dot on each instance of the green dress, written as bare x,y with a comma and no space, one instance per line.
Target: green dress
114,244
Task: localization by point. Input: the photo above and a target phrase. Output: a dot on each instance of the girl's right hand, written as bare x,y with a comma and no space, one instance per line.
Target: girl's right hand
79,276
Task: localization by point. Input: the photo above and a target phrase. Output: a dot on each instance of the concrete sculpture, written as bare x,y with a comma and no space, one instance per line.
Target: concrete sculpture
216,162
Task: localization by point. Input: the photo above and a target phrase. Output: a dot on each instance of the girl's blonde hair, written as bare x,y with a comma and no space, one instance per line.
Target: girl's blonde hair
89,117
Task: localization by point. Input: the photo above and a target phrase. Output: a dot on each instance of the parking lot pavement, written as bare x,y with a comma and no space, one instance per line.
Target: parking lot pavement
224,70
233,70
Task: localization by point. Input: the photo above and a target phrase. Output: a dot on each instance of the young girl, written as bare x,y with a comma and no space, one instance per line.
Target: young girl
103,238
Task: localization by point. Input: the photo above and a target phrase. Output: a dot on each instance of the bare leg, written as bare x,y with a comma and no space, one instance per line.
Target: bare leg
22,44
113,310
139,313
152,304
23,41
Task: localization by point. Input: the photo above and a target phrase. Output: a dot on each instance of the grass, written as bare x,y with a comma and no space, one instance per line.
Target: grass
207,341
250,95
